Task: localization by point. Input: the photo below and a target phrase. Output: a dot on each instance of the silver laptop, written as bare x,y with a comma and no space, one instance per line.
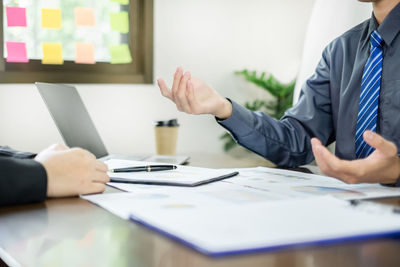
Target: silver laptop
77,128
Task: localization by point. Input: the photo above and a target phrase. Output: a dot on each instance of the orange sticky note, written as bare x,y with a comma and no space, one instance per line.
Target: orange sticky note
16,16
84,16
16,52
51,18
52,53
84,53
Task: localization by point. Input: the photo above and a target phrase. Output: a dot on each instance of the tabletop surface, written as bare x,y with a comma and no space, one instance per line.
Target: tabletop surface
74,232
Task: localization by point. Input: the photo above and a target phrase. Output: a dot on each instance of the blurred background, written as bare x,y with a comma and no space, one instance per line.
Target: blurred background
210,38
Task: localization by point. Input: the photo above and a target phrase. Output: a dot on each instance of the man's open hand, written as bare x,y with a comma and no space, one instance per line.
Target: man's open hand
382,166
194,96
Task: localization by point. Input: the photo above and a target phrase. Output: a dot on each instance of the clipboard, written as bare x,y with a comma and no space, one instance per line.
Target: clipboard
184,176
226,253
208,223
370,227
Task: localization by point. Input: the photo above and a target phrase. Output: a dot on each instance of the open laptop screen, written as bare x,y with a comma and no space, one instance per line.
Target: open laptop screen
72,118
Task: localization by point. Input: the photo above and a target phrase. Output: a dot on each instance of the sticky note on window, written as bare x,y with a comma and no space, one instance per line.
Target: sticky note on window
120,54
16,52
122,2
52,53
84,16
16,16
120,21
51,18
84,53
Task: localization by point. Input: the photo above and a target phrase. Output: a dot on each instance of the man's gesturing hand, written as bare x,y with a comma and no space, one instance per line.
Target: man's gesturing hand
72,172
382,166
193,96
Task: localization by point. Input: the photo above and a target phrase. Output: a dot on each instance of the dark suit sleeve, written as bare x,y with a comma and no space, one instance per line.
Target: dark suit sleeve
22,179
6,151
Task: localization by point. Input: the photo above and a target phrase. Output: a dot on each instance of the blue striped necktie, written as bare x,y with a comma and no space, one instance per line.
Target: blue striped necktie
369,96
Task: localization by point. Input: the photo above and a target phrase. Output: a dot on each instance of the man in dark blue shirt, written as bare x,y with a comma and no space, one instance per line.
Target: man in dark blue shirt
353,94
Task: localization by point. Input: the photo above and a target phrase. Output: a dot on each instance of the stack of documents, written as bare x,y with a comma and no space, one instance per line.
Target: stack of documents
260,209
276,183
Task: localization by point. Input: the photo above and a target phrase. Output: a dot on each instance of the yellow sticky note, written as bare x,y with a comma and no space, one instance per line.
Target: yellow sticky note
51,18
122,2
52,53
84,53
84,16
120,54
120,21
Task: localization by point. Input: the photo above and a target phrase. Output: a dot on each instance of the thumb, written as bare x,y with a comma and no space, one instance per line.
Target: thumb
380,143
165,91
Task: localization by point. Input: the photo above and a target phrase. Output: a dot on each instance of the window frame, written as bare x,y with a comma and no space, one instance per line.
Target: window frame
139,71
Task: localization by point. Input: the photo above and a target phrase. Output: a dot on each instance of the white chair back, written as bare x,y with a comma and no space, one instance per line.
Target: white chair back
329,19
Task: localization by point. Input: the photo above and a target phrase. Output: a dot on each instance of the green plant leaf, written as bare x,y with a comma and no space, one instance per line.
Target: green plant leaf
283,94
229,145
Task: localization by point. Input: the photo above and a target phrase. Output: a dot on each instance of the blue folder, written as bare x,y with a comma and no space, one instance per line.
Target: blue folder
224,253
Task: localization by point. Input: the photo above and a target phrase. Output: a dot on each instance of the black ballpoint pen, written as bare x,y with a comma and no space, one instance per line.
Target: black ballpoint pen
149,168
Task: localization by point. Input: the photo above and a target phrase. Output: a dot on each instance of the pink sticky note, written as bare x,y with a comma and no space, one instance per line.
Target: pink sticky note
16,52
16,16
84,53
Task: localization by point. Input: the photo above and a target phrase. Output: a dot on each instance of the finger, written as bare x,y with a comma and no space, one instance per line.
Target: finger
181,94
100,177
315,141
101,166
177,79
322,152
318,151
329,163
193,105
319,155
165,91
380,143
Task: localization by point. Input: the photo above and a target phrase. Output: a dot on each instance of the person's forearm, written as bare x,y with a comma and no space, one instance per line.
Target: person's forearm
285,143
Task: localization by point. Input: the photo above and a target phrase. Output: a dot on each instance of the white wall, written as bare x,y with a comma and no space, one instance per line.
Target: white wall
212,38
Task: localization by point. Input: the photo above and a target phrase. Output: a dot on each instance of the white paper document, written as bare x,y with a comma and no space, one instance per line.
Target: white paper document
245,220
284,184
294,184
183,175
260,209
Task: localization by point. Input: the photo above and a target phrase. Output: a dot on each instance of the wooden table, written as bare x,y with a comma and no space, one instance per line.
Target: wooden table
74,232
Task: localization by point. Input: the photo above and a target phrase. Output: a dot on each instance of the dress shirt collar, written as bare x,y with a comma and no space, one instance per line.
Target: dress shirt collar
389,28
